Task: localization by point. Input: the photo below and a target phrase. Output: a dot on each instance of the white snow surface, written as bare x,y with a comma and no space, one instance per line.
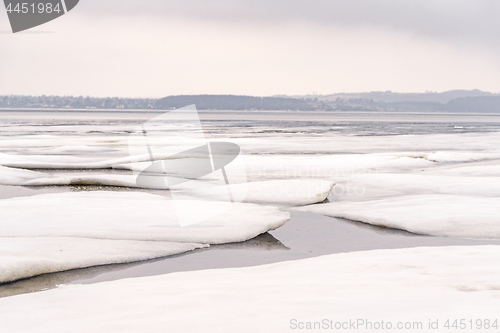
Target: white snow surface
270,143
295,166
433,148
425,182
477,169
63,161
437,184
13,176
430,214
23,177
132,216
22,257
55,232
294,192
406,285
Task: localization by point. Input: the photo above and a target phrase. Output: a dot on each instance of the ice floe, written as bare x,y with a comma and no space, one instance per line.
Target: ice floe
411,286
71,162
424,182
279,166
358,144
132,216
61,231
442,148
13,176
478,169
430,214
53,162
22,257
76,150
294,192
24,177
87,179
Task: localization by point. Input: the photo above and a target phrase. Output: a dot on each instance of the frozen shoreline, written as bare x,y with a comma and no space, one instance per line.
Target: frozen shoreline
390,155
306,235
417,285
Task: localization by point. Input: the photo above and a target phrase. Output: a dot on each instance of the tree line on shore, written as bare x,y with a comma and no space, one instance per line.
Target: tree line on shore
453,101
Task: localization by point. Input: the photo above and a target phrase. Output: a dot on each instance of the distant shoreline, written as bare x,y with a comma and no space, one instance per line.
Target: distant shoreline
450,101
62,110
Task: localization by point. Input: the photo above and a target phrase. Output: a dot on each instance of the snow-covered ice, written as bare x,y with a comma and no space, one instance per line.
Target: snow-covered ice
24,177
132,216
22,257
487,142
437,184
282,166
269,142
411,285
437,148
13,176
294,192
427,182
430,214
53,232
477,169
62,161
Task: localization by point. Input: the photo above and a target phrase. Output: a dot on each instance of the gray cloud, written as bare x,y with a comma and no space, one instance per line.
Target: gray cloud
463,21
158,47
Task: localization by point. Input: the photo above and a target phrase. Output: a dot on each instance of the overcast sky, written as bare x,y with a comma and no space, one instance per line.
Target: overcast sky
155,48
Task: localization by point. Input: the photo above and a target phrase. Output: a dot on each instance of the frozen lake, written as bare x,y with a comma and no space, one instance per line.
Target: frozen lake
418,165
